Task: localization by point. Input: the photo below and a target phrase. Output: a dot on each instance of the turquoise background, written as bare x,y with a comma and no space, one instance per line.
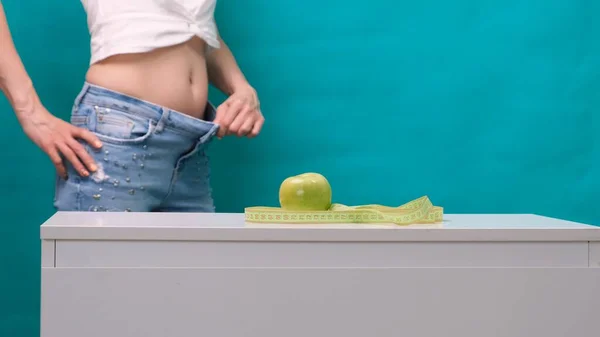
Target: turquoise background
485,106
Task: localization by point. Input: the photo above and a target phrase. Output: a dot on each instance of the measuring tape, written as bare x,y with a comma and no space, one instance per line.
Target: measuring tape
418,211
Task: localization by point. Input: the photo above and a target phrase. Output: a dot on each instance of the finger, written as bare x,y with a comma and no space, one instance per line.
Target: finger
72,158
87,136
231,112
57,162
221,111
257,127
240,119
82,154
246,127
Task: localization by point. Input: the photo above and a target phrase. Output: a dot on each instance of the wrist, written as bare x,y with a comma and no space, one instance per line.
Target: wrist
24,100
239,85
18,92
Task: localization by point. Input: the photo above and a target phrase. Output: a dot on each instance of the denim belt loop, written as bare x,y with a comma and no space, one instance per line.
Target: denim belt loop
161,122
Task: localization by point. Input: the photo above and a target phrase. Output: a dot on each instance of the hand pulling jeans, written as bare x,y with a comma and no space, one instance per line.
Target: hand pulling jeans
153,159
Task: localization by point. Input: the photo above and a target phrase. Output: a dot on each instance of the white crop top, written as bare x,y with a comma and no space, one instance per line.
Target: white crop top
134,26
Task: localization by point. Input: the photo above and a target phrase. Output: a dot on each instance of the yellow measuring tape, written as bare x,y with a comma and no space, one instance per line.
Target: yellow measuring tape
418,211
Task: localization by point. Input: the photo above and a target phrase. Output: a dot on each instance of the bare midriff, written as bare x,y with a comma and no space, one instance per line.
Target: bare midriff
174,77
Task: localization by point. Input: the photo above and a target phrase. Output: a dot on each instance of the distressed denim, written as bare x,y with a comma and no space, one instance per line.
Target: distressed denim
153,159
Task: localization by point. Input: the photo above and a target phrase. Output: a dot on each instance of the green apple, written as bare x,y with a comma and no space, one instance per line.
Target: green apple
305,192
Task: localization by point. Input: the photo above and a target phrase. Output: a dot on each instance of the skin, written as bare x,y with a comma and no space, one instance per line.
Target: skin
184,70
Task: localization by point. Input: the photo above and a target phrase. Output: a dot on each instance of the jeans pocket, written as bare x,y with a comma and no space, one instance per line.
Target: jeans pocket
118,127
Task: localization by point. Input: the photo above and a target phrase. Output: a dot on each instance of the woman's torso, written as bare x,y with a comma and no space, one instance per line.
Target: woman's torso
154,50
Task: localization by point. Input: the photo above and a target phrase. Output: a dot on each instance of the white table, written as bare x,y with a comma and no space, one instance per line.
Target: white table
182,275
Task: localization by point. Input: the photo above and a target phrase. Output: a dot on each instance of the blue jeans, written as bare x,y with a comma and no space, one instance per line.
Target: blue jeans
153,159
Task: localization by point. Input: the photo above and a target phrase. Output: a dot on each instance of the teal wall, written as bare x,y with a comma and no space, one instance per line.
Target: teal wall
485,106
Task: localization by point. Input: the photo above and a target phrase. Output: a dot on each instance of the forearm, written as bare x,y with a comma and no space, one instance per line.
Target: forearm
14,80
223,71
